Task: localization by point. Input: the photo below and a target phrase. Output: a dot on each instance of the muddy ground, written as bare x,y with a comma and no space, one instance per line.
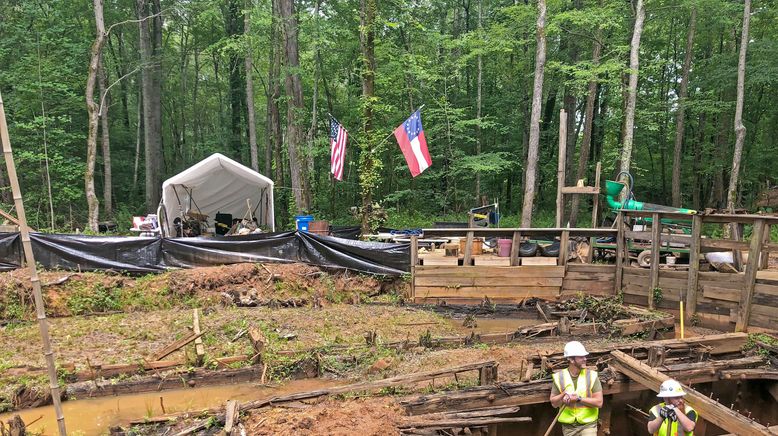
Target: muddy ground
304,313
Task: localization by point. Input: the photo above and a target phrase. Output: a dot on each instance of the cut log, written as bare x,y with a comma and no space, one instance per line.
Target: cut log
711,410
199,348
156,382
108,371
478,413
175,346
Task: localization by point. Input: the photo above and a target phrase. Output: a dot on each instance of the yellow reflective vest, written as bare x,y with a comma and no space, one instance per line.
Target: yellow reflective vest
668,427
574,413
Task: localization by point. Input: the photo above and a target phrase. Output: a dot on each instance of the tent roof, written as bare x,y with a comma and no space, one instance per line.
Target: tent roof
204,171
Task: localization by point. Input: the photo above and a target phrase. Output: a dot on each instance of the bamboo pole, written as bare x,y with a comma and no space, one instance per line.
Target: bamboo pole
30,258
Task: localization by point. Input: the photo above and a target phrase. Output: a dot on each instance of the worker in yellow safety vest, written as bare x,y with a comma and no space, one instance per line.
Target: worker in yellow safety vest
673,417
578,391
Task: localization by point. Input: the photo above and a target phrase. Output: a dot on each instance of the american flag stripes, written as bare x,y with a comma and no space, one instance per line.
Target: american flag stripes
338,137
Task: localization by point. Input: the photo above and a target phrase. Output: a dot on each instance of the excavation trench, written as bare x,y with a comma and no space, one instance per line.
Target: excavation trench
624,413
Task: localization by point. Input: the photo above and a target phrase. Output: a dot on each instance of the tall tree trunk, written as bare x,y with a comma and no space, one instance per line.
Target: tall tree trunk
250,87
679,119
138,139
634,65
534,129
150,40
478,106
273,92
231,10
696,185
586,141
664,86
740,129
368,163
307,155
295,105
570,103
105,143
121,71
93,203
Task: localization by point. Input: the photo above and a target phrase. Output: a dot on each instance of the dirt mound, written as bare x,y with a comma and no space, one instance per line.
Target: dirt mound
362,416
68,294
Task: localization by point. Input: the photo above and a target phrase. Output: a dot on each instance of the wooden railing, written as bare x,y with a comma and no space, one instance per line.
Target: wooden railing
758,248
564,235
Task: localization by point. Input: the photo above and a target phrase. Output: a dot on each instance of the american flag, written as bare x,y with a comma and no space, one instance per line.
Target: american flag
338,137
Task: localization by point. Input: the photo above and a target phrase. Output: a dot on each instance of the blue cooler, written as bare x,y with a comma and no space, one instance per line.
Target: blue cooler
303,222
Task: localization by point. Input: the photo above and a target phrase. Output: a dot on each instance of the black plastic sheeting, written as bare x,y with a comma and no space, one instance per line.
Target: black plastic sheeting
346,232
153,254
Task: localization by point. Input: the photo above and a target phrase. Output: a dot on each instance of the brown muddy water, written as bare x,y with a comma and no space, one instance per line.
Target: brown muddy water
95,416
493,325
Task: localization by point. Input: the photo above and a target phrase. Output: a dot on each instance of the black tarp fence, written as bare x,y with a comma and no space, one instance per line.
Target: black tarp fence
154,254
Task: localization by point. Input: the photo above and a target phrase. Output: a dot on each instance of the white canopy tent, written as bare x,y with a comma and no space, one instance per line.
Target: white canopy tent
217,184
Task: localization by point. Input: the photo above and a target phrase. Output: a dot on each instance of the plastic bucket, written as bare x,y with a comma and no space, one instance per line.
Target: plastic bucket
303,222
504,247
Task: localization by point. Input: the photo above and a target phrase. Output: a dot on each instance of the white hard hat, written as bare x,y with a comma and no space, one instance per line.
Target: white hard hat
575,349
670,389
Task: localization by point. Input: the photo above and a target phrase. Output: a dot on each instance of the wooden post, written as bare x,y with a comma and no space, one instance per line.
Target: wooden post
199,349
414,261
515,246
596,201
656,356
765,258
656,236
560,172
40,308
619,251
231,413
468,249
694,267
564,240
754,250
709,409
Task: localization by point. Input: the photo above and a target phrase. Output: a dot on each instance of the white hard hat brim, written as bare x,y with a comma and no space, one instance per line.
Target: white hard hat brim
671,394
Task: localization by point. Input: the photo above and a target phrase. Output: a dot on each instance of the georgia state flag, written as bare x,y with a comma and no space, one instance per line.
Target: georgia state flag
410,136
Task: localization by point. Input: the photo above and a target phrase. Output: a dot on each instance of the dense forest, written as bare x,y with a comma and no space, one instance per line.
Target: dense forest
106,99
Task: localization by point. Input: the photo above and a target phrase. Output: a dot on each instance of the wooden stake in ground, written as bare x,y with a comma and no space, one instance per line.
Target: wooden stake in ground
30,258
199,349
